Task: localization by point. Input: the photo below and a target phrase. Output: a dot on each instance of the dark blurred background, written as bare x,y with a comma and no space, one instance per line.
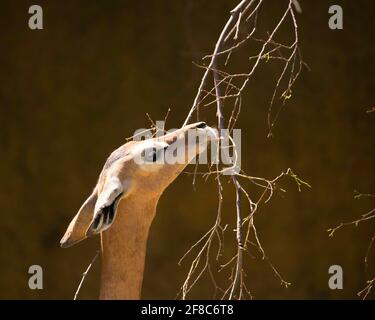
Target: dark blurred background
71,93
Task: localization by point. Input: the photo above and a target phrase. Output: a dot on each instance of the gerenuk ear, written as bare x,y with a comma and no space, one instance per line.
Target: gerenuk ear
106,206
76,231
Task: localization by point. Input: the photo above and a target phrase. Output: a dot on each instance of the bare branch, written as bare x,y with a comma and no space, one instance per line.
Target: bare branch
85,274
237,282
229,87
365,292
364,218
234,15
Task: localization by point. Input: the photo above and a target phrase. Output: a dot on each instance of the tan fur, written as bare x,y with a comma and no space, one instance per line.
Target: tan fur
76,231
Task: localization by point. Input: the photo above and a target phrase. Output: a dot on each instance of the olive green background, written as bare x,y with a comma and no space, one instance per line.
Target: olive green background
73,92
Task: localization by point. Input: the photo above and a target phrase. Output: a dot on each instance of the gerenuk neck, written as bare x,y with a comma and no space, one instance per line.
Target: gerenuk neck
124,250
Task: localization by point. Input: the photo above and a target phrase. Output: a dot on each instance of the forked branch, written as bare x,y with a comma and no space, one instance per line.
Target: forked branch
229,87
366,217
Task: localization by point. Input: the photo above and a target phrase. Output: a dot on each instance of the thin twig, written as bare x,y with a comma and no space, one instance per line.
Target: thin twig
85,273
364,218
237,281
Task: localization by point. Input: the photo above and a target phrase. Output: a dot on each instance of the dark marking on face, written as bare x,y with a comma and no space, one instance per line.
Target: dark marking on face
202,125
116,155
